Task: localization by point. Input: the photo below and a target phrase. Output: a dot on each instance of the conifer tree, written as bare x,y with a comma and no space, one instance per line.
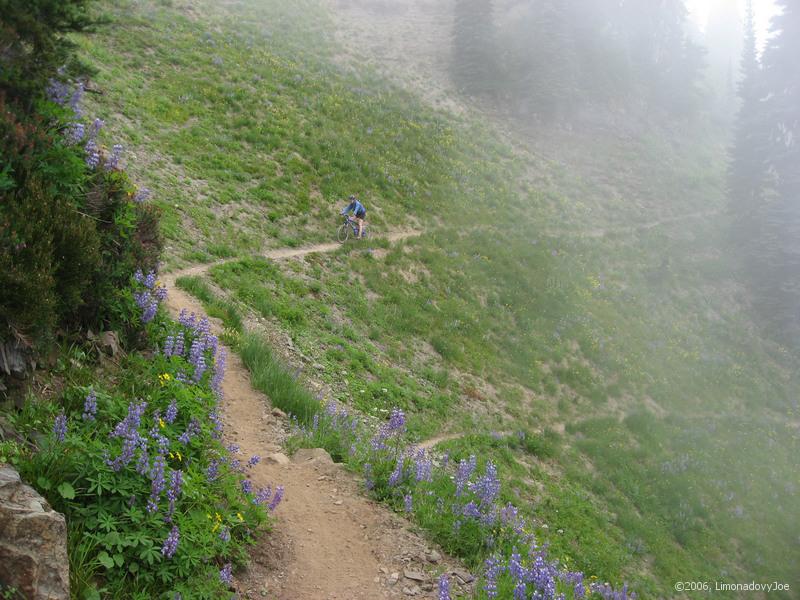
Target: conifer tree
33,43
746,171
776,258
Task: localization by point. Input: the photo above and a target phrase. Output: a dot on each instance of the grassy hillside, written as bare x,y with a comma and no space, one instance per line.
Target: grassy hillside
662,431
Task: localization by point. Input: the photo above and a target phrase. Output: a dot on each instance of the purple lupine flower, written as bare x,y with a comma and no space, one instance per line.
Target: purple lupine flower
143,464
487,487
463,473
130,424
493,569
141,195
225,535
225,574
150,281
408,503
609,593
219,373
192,430
215,419
276,499
95,128
90,406
160,292
185,319
60,427
172,412
75,133
150,312
521,591
543,575
174,492
142,299
397,420
247,486
515,568
212,472
92,154
57,91
113,159
179,343
394,478
471,510
169,345
444,588
369,482
171,543
157,486
254,460
424,467
575,579
197,360
262,495
161,441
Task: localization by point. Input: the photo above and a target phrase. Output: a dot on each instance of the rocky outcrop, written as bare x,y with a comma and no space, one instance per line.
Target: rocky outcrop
33,541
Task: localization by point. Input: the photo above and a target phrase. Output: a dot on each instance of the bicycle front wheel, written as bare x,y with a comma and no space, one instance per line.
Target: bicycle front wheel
343,233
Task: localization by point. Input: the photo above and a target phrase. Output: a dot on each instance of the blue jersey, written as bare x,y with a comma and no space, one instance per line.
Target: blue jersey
356,207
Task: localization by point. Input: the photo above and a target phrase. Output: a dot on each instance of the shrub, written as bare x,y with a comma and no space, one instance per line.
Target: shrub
33,42
70,236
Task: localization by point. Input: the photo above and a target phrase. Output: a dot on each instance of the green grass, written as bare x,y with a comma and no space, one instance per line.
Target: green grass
224,310
274,379
490,321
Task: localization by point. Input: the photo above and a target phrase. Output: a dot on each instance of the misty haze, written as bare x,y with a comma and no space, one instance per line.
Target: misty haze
369,299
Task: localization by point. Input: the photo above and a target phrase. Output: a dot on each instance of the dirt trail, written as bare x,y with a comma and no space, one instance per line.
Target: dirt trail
279,253
329,541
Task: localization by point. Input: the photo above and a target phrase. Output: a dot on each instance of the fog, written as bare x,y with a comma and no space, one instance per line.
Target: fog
670,134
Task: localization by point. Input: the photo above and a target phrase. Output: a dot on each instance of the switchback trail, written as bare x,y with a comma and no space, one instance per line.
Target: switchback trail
278,253
329,541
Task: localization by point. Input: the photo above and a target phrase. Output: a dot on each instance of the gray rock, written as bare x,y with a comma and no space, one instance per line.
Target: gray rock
278,459
277,412
463,576
314,456
434,556
33,542
109,342
414,575
13,358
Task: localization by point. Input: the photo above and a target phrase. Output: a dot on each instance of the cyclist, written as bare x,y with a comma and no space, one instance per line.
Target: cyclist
359,212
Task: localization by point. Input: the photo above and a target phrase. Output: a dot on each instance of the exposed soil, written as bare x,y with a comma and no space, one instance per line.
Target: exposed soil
329,541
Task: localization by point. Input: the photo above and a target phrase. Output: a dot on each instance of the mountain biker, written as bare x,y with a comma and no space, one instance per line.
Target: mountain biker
359,212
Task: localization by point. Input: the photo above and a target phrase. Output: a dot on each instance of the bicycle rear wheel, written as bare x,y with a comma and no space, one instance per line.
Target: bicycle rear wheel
343,233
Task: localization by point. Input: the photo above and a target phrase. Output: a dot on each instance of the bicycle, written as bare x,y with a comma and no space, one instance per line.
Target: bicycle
350,227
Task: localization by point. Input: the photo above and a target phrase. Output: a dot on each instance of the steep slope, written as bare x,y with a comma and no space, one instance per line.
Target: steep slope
599,321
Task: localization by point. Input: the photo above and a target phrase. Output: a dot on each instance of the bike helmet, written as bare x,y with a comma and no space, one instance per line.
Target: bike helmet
352,197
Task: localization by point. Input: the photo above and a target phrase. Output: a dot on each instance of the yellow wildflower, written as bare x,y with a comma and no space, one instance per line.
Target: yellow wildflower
241,518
